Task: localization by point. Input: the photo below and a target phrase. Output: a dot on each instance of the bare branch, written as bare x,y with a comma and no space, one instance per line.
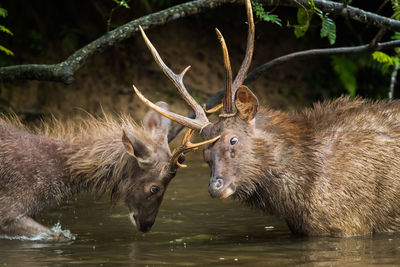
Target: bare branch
64,71
257,72
316,53
393,80
345,10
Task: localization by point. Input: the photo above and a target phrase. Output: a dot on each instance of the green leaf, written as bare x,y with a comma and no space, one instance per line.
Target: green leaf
382,57
346,69
122,3
272,18
396,15
7,51
303,20
328,29
396,61
385,60
3,12
265,16
312,4
396,9
396,36
4,29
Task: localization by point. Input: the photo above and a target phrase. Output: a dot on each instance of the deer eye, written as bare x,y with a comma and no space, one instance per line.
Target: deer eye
234,140
181,159
154,189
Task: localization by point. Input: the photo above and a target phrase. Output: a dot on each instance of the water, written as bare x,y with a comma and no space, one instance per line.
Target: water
191,230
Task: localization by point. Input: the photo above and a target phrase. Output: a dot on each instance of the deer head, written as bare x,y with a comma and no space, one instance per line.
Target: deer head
228,139
153,166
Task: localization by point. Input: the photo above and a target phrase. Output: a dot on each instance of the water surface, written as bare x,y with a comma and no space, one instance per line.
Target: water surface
191,230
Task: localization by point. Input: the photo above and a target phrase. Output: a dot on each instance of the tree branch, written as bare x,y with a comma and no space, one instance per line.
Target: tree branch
319,52
393,80
345,10
256,73
64,71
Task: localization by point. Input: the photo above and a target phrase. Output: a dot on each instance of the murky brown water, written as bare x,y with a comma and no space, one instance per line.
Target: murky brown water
191,229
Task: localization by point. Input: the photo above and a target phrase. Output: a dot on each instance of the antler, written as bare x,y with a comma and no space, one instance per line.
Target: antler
212,110
231,88
188,146
200,120
226,102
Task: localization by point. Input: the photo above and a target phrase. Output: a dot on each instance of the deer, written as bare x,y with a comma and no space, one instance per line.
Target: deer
332,169
115,156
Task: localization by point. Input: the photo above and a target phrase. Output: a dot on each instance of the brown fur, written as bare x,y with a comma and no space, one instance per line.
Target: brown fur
39,168
333,169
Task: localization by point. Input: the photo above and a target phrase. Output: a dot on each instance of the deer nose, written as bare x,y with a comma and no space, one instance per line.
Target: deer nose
217,183
146,227
221,188
215,186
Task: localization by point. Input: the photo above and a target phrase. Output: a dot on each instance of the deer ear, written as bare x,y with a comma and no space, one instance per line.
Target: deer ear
246,103
154,121
134,146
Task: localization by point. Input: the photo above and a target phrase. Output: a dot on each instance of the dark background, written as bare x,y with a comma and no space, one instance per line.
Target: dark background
49,31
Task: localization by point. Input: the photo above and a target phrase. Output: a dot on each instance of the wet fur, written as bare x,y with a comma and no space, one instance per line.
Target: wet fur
333,169
39,168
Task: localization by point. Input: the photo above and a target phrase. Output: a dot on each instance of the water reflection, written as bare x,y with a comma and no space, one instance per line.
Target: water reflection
191,229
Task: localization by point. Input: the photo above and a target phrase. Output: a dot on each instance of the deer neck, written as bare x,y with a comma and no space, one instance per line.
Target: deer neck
287,163
96,165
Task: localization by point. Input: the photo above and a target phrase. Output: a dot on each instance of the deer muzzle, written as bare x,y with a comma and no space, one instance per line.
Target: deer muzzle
142,226
221,188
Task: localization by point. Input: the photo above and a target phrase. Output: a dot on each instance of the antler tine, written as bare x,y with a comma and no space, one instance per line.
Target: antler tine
177,80
190,123
249,50
212,110
227,100
187,145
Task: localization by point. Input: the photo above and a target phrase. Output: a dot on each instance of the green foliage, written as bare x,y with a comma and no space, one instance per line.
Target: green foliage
265,16
385,60
303,20
328,29
364,74
4,29
122,3
396,36
396,9
4,13
346,68
304,16
6,51
382,57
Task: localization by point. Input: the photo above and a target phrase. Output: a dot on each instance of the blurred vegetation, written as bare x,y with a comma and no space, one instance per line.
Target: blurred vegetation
70,25
265,16
4,29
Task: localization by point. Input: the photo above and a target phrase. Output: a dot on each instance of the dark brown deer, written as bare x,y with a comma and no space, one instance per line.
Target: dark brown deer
331,170
115,156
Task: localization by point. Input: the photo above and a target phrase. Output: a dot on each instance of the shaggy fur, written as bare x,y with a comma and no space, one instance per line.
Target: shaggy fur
333,169
41,167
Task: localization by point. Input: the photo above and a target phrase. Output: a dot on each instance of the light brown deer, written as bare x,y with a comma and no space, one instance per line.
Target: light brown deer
330,170
131,163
